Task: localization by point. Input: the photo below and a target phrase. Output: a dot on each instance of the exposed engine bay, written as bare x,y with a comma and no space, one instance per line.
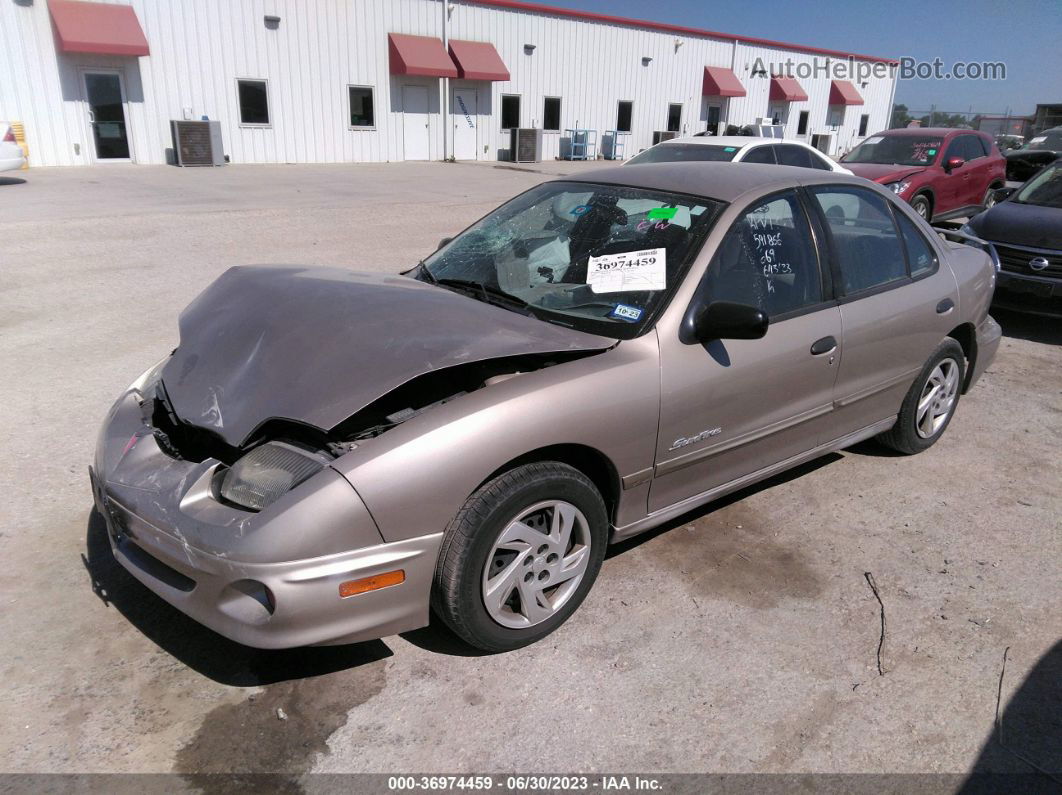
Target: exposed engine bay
183,440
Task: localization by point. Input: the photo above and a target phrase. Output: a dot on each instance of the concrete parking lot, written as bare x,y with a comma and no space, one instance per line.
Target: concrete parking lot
743,638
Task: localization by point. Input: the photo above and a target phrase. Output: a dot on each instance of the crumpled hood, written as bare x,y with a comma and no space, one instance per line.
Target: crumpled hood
316,345
882,172
1036,156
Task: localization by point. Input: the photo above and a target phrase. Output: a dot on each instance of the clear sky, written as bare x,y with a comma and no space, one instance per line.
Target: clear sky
1024,34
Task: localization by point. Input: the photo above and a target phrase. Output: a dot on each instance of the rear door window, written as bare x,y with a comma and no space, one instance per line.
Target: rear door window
761,154
790,155
863,237
767,259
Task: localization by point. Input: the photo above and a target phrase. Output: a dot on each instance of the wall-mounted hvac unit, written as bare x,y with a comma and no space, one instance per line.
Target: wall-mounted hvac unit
663,135
197,143
525,145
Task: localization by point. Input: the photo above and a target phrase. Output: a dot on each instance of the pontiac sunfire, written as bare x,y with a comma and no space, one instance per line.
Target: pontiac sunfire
331,456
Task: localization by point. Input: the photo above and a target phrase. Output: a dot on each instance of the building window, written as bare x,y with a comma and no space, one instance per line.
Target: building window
362,112
510,111
802,125
864,120
674,117
835,116
551,113
254,102
623,116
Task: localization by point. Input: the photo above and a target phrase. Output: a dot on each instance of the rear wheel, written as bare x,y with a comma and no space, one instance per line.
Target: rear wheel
920,204
520,556
930,403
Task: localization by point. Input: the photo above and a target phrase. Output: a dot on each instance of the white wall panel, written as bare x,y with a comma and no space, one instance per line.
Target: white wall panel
200,47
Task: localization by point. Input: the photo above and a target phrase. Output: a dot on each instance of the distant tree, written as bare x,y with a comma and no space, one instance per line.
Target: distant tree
944,120
900,116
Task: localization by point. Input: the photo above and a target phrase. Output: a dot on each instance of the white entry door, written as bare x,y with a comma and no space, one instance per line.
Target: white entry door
464,109
415,134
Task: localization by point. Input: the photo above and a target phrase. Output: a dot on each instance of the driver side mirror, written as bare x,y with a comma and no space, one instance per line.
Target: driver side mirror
723,320
1002,194
443,242
953,163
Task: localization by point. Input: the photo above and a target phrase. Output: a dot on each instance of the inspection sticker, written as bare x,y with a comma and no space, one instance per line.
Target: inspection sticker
877,139
625,312
629,271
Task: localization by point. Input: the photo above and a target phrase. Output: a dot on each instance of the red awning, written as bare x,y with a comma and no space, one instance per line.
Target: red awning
844,93
419,55
97,27
787,89
477,60
721,82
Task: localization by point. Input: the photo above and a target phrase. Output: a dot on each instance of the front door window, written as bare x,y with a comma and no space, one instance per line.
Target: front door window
103,92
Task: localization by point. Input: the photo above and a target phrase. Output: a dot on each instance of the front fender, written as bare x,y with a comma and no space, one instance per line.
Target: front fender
415,477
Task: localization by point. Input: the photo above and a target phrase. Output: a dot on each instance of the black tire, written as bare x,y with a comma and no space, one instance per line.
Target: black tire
457,590
904,436
990,198
920,204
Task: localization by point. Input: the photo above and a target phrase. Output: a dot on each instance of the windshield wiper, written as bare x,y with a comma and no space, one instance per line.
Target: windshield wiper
428,273
486,293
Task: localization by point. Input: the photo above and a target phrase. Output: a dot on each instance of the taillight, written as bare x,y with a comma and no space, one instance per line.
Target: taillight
9,137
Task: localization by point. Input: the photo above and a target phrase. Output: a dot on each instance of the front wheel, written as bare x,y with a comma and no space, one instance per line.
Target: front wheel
920,204
930,403
520,556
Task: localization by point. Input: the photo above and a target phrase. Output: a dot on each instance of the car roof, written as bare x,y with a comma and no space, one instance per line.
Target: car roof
726,140
942,131
724,181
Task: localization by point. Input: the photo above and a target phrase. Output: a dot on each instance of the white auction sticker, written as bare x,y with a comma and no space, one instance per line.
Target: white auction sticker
629,271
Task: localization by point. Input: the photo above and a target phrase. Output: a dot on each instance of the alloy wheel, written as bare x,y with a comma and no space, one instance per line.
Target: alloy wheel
938,398
536,564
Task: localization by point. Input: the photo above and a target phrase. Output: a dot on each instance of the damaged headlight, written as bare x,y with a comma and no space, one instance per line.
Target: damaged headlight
147,380
266,473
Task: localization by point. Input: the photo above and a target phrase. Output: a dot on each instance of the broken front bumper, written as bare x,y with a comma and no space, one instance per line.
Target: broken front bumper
269,579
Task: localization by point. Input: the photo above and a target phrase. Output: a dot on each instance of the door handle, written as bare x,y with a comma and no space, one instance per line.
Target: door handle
825,345
945,306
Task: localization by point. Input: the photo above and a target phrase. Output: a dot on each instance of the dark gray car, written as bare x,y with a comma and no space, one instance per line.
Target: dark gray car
326,453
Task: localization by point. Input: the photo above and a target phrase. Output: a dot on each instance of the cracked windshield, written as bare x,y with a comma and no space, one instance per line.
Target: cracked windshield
599,258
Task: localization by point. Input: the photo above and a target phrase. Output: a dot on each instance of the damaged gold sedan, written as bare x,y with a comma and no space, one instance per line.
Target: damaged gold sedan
331,456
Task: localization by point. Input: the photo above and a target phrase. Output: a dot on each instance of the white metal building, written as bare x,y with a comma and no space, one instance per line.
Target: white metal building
296,81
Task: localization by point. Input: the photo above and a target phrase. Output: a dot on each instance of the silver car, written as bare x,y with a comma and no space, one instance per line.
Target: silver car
331,456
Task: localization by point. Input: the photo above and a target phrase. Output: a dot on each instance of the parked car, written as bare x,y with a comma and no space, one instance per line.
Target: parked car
1026,229
737,149
943,173
11,157
1043,148
1009,142
327,453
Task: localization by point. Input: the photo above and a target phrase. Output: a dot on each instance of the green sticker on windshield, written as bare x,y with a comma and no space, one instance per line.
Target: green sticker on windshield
729,148
932,152
662,213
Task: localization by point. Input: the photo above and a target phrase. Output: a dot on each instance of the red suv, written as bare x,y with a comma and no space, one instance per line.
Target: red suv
941,172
